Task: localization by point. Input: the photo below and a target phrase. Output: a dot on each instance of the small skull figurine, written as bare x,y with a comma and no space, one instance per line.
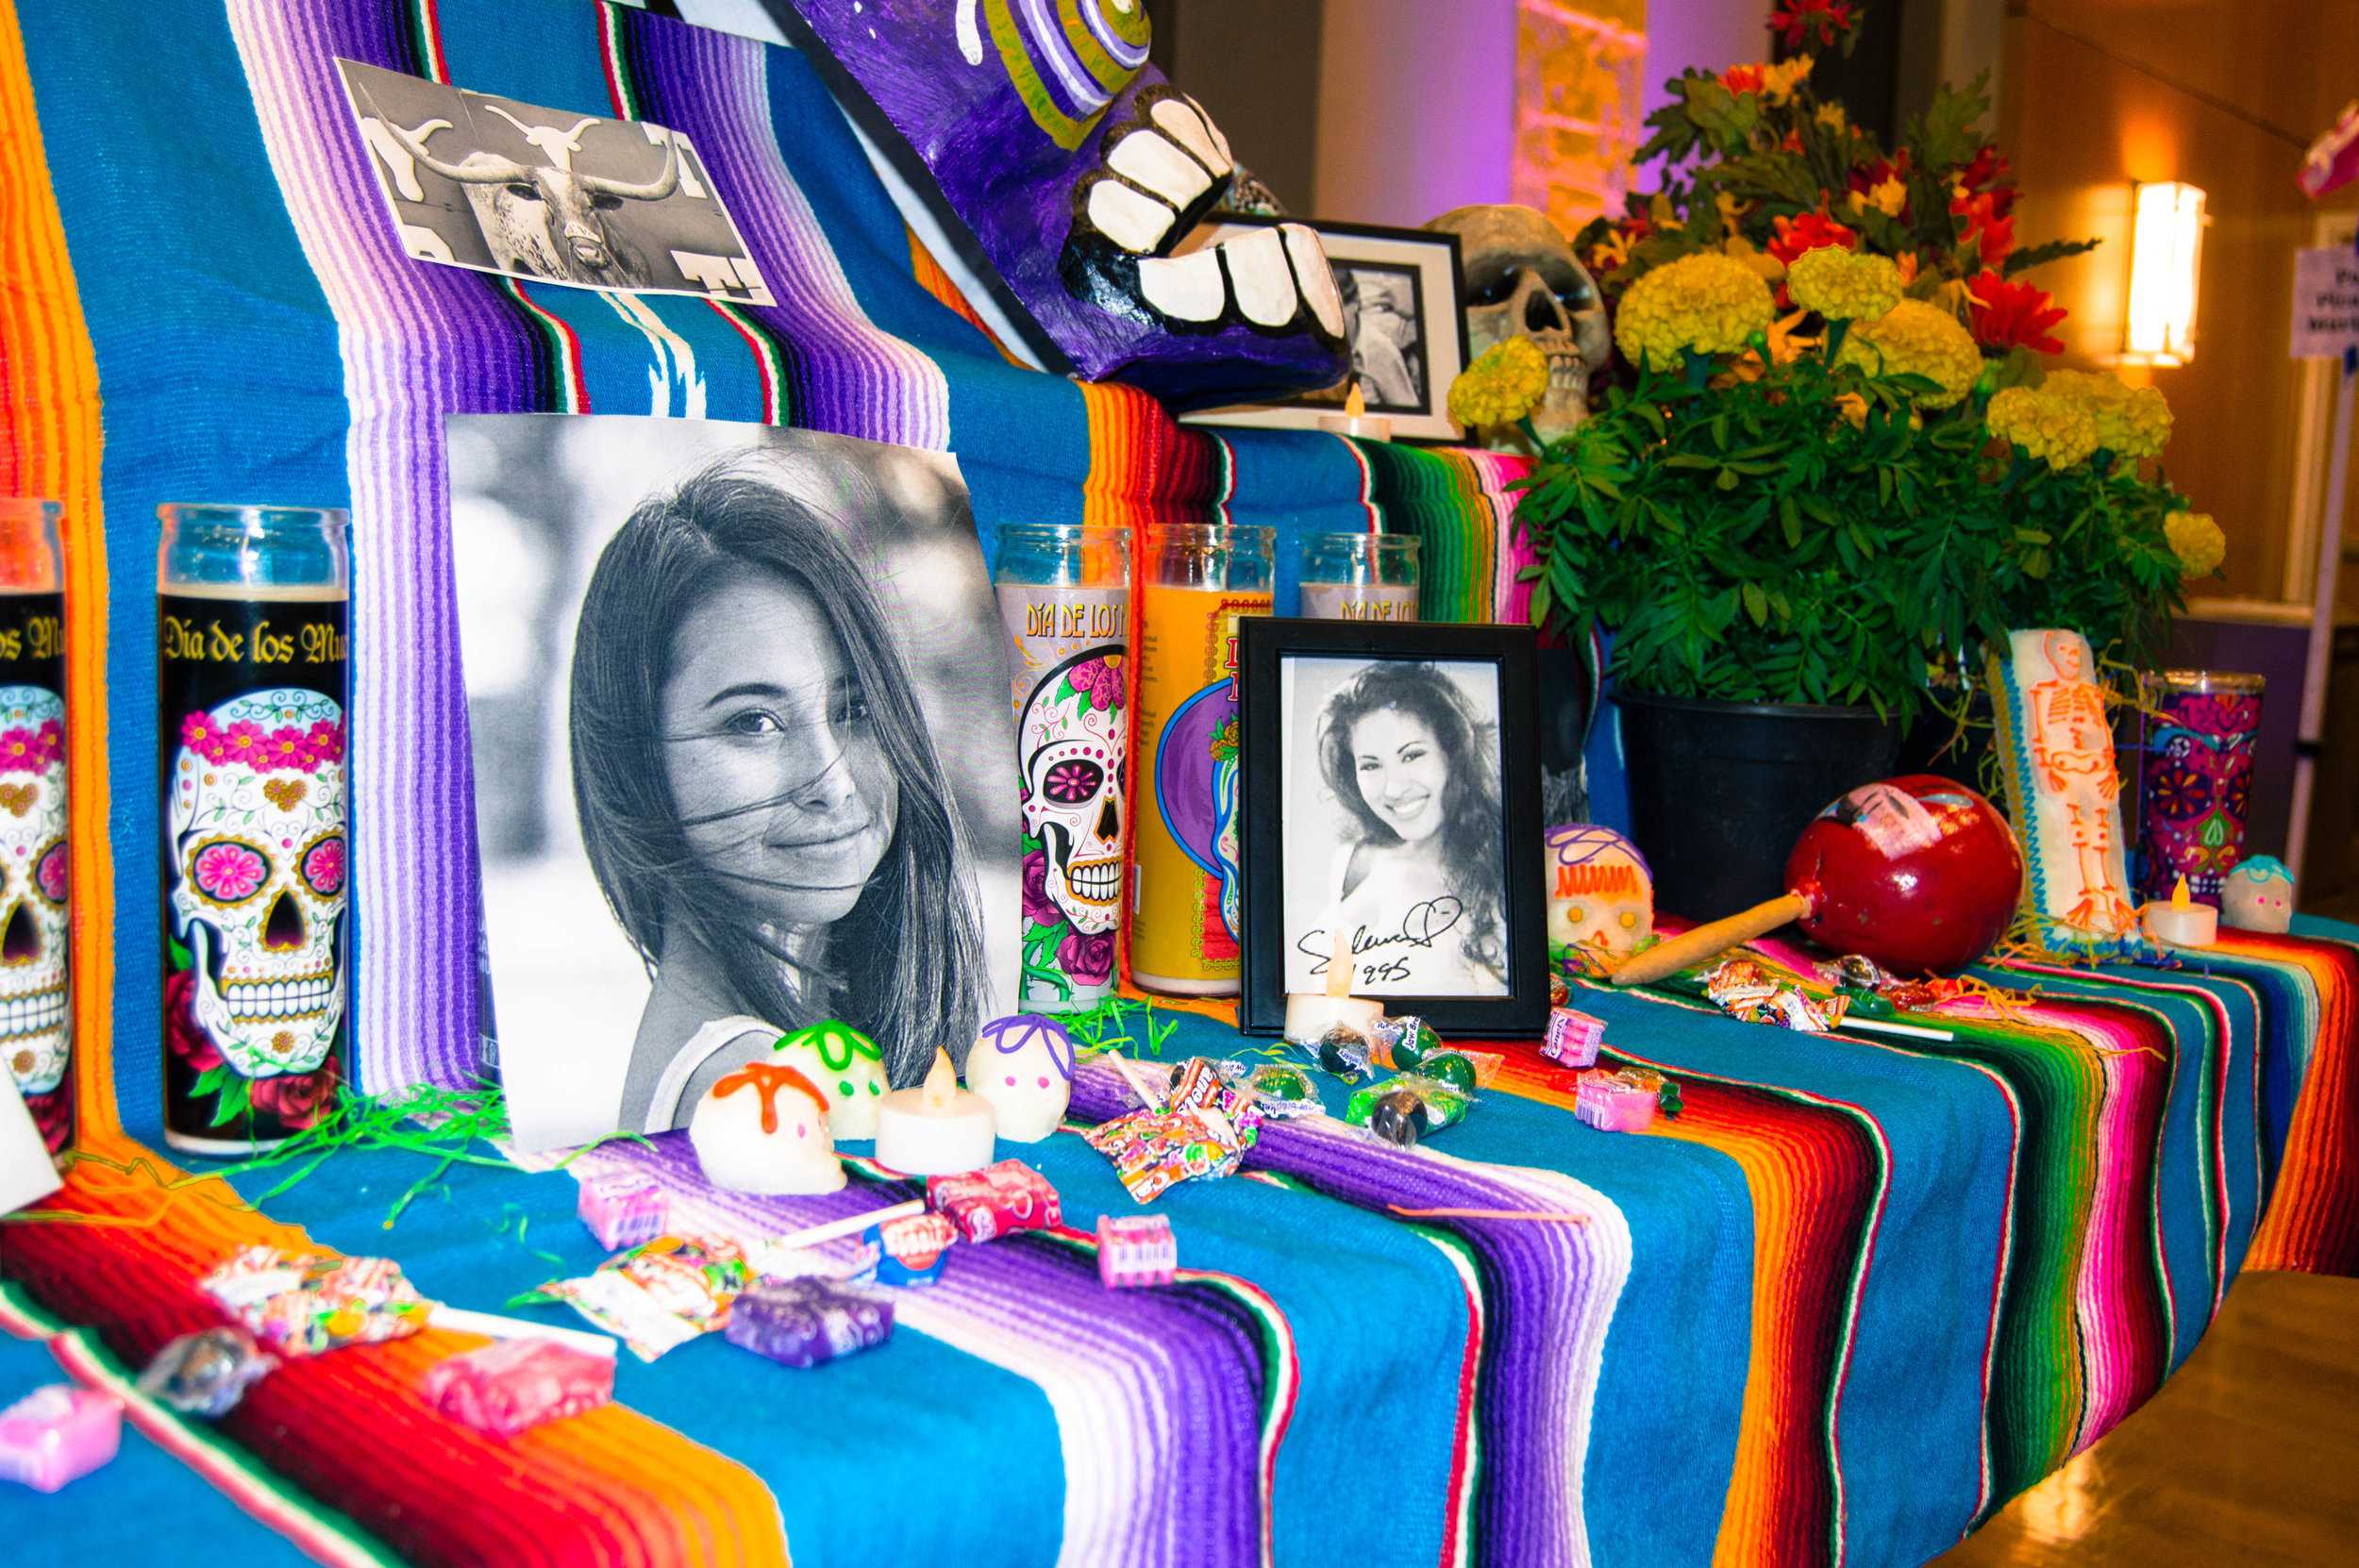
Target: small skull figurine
1523,280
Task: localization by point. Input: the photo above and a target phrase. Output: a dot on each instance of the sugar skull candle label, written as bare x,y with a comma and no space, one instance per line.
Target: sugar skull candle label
36,1032
1072,736
254,864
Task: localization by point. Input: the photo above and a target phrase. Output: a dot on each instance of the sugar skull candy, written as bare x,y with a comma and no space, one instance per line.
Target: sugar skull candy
1071,738
1601,892
1022,1067
2258,896
257,821
847,1067
34,1034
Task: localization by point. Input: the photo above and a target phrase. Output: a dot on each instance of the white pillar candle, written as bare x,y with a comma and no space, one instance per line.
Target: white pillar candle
936,1128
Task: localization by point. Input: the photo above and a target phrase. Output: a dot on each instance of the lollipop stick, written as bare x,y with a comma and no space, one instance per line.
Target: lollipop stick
1690,948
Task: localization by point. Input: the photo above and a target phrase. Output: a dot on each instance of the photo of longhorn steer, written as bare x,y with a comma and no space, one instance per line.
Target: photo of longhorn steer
500,186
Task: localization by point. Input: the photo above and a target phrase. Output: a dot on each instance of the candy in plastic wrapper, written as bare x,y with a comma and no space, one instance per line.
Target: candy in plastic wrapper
1623,1099
1572,1038
509,1385
912,1250
623,1209
301,1303
1154,1149
804,1322
1405,1108
58,1433
1402,1042
1136,1249
661,1293
1744,989
1283,1092
1559,992
995,1201
1345,1051
206,1373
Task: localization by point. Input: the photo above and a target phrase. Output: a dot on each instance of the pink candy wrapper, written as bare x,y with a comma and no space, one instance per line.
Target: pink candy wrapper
1153,1149
510,1385
58,1433
1572,1038
623,1209
996,1200
1617,1101
659,1294
1136,1249
301,1303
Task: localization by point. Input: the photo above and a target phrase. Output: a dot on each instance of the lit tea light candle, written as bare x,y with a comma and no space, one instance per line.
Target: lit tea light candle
1356,420
2182,922
1312,1013
936,1128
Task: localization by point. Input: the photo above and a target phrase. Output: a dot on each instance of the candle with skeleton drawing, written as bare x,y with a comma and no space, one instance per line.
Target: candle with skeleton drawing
32,834
936,1128
1065,593
250,645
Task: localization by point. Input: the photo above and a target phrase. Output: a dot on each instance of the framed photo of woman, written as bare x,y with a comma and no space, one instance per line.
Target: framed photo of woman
1392,789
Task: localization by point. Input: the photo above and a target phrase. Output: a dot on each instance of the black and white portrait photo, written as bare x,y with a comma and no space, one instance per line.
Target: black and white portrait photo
743,755
496,185
1394,830
1384,321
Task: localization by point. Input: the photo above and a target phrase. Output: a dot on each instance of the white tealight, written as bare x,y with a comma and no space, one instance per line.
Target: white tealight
936,1128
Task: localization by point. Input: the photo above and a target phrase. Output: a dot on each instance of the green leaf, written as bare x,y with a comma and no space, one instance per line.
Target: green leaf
237,1099
209,1081
1756,604
2034,255
178,957
1790,520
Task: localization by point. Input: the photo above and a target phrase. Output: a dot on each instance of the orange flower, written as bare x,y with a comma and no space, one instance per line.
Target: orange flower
1808,232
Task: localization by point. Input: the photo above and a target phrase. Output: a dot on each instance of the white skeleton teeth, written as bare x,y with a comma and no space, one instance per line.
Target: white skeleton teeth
1212,127
1144,157
1193,129
1316,278
1257,269
1134,221
1184,287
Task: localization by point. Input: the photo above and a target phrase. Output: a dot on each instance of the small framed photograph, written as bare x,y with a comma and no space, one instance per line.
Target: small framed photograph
1392,794
1400,289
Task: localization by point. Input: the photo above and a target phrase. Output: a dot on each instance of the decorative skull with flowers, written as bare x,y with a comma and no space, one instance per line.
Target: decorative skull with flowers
34,1034
256,816
1071,739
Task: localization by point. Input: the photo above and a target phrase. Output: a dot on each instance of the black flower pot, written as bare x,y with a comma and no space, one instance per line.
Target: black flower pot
1719,790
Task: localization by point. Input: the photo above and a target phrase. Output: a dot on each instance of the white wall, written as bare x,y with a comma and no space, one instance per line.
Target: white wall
1416,108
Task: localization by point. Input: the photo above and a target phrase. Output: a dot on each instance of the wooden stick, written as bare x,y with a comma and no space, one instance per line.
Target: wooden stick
1690,948
1877,1026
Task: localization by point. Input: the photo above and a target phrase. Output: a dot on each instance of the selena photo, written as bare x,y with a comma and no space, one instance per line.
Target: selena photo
726,786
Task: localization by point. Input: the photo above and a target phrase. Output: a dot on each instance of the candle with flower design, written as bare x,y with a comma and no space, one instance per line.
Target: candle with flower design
251,655
35,1029
1065,593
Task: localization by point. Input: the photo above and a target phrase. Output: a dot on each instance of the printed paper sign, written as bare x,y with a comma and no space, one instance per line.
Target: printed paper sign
500,186
2326,302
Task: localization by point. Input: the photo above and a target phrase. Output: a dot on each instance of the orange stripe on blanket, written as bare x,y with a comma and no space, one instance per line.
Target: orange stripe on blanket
2309,1224
49,447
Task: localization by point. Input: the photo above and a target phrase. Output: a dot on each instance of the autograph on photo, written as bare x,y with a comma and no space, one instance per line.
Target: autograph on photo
1421,925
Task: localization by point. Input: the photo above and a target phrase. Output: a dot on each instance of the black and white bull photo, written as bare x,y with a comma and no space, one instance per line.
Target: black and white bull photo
496,185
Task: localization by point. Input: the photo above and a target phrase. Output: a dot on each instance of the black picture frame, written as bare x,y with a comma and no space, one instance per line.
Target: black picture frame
1268,643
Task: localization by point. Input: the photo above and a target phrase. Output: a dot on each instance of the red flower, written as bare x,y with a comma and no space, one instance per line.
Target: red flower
1987,170
1797,18
1039,909
1088,957
1862,181
189,1041
1743,79
2006,314
297,1100
53,1114
1984,225
1810,232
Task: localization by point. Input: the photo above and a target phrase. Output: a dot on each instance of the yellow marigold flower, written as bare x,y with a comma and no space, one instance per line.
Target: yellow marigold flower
2134,422
1709,302
2196,540
1778,82
1830,116
1506,382
2057,429
1918,339
1844,284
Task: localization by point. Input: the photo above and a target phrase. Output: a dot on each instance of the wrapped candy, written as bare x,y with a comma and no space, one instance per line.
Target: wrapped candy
1281,1091
659,1294
509,1385
1572,1038
206,1373
996,1200
912,1249
804,1322
58,1433
1624,1099
1136,1249
301,1303
1344,1052
1744,989
1405,1108
1404,1040
1154,1149
623,1209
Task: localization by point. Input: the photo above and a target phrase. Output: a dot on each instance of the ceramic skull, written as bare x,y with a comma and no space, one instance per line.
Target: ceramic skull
257,815
1523,280
1072,741
33,1028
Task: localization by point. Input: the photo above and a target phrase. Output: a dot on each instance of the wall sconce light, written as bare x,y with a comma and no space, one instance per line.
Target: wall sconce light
2165,261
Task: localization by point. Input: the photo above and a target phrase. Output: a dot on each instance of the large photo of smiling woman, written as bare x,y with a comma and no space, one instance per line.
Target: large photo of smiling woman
785,802
1393,824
